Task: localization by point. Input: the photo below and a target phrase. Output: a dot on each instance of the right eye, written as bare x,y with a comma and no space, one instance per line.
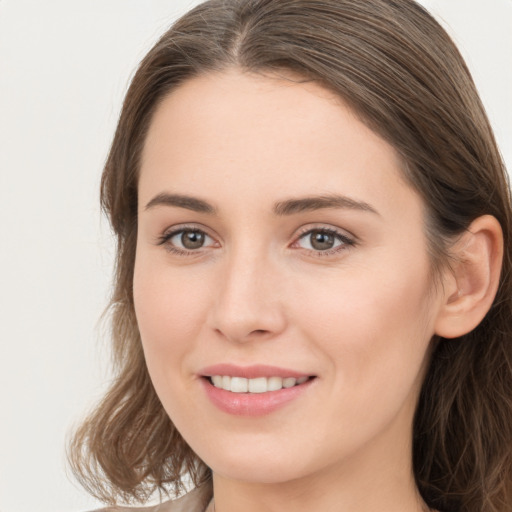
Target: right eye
184,241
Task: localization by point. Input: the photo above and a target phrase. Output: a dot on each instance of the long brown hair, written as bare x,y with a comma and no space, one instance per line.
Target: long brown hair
393,64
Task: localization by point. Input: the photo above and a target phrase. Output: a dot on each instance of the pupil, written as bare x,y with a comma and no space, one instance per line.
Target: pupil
192,239
321,240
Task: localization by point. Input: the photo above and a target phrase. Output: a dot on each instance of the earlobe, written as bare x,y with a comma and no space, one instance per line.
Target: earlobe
472,281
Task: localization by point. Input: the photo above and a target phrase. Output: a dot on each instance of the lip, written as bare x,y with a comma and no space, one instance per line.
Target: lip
252,404
250,372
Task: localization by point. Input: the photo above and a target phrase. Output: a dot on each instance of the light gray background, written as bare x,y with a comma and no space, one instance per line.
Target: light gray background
64,67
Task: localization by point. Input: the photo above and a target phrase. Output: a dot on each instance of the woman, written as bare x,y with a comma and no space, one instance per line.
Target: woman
313,283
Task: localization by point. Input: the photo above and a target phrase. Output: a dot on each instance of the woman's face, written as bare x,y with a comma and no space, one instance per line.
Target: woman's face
277,241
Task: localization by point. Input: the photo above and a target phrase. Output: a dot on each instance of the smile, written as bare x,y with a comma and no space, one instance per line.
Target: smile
255,390
257,385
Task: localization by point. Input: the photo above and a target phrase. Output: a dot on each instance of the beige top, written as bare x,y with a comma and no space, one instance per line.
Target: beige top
198,500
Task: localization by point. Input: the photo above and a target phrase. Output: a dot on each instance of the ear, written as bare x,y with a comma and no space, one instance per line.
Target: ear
471,283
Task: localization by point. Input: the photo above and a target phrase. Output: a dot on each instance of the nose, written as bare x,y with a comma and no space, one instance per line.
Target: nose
248,302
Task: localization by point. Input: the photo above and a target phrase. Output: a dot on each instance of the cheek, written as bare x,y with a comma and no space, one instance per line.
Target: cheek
374,339
169,310
373,325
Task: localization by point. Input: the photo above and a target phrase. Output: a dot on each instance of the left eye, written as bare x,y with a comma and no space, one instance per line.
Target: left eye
322,240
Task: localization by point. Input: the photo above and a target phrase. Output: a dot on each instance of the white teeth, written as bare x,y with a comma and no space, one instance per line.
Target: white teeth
217,381
239,385
258,385
289,382
274,383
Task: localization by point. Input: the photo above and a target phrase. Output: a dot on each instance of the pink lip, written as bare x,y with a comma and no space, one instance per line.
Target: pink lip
250,372
251,404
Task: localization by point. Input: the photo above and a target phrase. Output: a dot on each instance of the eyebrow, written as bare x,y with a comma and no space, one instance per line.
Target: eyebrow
182,201
307,204
281,208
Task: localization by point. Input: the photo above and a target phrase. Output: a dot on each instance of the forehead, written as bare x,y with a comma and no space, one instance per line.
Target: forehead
264,136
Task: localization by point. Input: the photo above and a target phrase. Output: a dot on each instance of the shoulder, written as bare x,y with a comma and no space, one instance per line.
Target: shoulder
194,501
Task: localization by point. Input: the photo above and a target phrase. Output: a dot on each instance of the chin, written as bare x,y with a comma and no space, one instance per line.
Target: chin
261,466
266,473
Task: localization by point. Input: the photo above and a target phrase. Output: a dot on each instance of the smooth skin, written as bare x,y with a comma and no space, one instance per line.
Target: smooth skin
229,270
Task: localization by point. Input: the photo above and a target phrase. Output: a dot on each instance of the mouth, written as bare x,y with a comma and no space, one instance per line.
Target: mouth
255,385
255,390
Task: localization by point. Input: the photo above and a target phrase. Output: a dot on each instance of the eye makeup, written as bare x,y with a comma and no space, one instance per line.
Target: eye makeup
187,240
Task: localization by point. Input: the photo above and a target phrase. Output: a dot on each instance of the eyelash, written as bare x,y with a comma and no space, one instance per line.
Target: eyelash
346,241
166,237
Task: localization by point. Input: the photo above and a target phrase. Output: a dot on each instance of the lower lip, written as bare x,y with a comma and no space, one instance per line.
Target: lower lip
253,404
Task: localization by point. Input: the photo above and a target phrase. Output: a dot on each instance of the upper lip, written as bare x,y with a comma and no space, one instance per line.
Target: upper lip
251,372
